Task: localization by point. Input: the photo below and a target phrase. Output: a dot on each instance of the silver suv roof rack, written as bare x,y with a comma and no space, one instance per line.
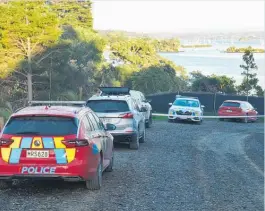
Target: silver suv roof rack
65,103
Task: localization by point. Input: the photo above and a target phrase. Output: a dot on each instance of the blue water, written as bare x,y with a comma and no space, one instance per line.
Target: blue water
213,61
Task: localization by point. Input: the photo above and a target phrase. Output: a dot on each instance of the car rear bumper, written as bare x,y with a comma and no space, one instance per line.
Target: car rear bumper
241,116
75,171
124,137
43,177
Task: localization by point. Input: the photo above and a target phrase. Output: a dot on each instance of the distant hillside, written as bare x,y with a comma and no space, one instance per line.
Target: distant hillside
201,35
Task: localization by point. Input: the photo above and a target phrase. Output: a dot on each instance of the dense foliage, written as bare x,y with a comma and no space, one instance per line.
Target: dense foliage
212,83
243,50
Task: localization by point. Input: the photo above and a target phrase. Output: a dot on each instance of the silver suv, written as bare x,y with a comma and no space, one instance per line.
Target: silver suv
143,102
124,113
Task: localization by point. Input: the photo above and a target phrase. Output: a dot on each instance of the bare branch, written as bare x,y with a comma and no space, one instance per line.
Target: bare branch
10,52
45,56
22,44
19,73
36,83
9,81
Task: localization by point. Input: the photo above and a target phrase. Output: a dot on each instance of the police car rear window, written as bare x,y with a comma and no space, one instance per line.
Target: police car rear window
41,125
108,106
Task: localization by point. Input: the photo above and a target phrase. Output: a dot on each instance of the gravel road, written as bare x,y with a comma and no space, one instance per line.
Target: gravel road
213,166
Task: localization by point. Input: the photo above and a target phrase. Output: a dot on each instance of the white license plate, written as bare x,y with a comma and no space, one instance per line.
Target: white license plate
229,111
37,154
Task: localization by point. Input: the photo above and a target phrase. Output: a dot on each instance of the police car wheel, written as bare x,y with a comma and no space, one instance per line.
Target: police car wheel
199,122
5,184
95,184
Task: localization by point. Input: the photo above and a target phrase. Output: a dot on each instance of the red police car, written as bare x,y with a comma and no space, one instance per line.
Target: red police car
55,142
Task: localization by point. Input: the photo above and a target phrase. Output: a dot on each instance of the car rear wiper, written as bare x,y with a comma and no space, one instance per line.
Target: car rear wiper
28,132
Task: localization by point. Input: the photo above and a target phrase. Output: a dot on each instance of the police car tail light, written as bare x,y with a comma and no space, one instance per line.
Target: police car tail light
76,143
5,142
127,116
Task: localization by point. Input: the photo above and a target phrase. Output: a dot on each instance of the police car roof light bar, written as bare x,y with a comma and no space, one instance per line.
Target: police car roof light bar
180,96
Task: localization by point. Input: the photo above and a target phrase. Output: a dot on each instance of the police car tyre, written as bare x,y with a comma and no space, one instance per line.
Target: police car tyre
142,139
134,144
5,184
110,166
95,184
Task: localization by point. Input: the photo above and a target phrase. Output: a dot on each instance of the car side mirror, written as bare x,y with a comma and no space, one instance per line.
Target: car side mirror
170,104
110,126
202,106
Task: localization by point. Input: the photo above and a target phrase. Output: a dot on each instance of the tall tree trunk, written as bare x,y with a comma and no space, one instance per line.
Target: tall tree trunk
29,78
29,74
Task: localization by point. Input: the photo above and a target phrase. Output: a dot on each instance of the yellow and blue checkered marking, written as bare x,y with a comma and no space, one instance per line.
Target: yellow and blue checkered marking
63,155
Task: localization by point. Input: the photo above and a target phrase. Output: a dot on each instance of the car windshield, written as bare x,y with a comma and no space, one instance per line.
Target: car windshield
42,125
231,104
108,106
186,103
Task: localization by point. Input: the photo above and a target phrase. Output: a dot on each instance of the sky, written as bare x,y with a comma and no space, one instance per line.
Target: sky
178,16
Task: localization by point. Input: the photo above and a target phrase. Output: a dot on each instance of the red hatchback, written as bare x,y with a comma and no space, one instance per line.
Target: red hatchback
238,108
56,142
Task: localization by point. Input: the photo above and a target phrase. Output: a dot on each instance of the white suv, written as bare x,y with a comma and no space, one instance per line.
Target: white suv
186,108
120,109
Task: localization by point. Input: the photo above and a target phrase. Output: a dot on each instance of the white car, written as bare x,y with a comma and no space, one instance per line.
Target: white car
185,108
138,97
116,106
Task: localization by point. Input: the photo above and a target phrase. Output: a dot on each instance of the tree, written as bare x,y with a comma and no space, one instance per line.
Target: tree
259,91
195,75
156,79
27,29
73,13
250,80
212,83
